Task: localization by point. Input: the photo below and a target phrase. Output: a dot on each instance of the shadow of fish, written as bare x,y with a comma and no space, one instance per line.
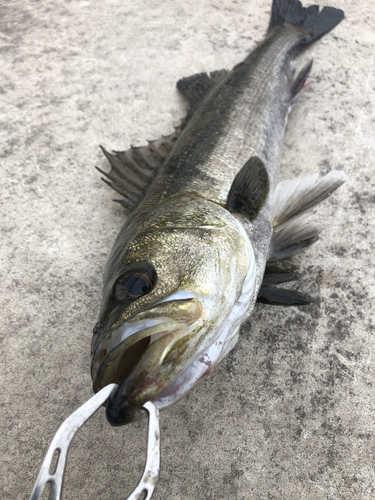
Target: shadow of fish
206,214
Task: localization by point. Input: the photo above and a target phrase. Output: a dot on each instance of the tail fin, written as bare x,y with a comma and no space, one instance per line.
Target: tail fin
316,23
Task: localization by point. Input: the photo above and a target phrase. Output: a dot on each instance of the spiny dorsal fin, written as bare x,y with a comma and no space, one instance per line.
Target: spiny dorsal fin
132,171
195,88
293,231
249,190
269,294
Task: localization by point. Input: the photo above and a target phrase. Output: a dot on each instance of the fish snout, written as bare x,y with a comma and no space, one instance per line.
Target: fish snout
159,366
148,353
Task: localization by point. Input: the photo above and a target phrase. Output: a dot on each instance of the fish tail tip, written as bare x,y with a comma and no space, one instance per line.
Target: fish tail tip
316,22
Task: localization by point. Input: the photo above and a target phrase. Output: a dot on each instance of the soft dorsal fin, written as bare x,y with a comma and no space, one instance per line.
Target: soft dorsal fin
195,88
250,189
132,171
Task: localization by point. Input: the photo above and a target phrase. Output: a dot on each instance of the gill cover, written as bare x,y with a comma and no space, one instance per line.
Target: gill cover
191,261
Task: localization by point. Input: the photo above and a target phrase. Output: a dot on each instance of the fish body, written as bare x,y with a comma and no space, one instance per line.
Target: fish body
206,213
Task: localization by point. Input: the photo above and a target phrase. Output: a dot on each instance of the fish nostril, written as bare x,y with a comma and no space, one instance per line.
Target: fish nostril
97,327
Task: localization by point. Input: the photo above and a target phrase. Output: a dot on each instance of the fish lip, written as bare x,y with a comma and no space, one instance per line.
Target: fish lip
144,379
99,366
177,296
122,414
125,403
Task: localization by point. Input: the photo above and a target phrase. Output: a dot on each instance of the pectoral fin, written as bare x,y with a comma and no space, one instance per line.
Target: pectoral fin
250,189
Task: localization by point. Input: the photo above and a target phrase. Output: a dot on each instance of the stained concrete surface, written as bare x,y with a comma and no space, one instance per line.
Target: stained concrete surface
290,413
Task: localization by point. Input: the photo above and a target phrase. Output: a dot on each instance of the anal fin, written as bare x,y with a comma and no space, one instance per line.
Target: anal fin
299,82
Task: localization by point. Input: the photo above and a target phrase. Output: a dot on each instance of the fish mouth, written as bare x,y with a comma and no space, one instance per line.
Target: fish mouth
114,364
149,353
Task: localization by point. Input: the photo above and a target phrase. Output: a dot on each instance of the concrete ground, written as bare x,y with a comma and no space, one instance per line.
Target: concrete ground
290,414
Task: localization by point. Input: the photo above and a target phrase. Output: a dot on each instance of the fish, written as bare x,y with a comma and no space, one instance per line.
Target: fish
207,223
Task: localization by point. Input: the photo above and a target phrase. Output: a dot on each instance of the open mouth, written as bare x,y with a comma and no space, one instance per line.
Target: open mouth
115,365
145,355
142,371
125,362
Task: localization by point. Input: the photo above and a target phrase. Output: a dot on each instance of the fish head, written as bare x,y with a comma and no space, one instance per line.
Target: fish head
169,286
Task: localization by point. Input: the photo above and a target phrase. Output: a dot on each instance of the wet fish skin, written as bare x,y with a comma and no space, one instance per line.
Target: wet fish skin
209,238
183,234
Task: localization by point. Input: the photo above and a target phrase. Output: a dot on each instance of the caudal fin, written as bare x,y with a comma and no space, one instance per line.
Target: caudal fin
317,24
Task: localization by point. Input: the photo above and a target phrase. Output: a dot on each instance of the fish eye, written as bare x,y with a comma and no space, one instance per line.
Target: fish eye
133,284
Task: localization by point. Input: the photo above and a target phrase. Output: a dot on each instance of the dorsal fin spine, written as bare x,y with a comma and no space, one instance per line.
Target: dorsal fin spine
120,182
132,171
126,193
156,151
133,164
143,157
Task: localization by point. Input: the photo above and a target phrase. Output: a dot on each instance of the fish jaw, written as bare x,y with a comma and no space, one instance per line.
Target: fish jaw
116,352
150,351
183,363
200,255
111,363
161,364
